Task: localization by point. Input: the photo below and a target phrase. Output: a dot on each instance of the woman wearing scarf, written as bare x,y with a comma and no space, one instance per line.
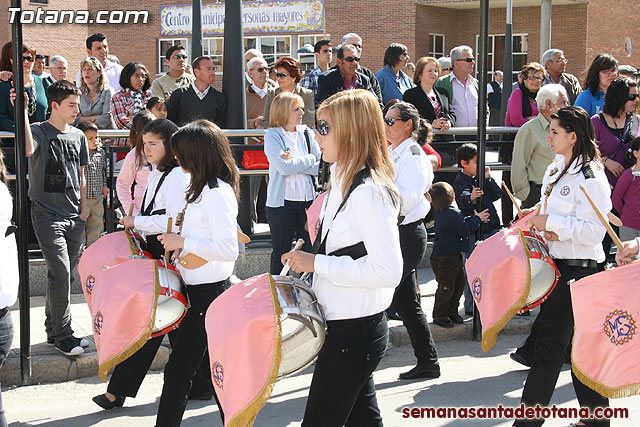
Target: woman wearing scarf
522,105
130,99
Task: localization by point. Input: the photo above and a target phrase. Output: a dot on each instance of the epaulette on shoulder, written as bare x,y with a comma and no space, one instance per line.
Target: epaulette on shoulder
415,149
588,172
212,182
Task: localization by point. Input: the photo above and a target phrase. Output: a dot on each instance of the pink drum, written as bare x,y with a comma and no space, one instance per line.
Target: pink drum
544,274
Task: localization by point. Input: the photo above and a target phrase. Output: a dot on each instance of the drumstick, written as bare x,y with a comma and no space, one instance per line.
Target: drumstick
131,210
603,220
285,269
169,229
504,185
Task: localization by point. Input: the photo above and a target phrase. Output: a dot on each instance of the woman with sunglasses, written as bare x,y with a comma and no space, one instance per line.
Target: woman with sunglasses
522,105
95,101
288,76
294,158
602,71
574,234
33,87
393,81
413,175
357,260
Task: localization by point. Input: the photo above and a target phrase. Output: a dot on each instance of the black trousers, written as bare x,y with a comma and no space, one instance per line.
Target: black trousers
342,391
533,197
554,332
449,272
286,223
189,347
406,298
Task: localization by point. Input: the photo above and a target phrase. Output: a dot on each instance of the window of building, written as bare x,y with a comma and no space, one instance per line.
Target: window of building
436,45
495,53
271,47
163,45
308,60
213,47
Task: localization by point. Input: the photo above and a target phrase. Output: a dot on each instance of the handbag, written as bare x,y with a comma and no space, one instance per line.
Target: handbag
255,159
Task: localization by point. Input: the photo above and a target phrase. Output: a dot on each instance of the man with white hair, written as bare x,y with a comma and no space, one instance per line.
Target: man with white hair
445,65
462,87
58,67
531,151
554,62
248,56
356,41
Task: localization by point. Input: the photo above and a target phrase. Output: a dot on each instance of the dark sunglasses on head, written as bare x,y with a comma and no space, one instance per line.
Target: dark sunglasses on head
27,58
323,127
262,69
390,121
351,59
281,75
176,56
633,96
470,59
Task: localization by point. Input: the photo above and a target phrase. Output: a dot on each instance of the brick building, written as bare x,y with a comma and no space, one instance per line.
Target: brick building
583,28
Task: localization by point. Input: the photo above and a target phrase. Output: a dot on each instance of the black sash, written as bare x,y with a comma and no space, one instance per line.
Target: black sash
152,245
355,251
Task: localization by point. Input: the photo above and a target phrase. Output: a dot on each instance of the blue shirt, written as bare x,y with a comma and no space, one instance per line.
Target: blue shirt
393,86
592,104
310,81
452,231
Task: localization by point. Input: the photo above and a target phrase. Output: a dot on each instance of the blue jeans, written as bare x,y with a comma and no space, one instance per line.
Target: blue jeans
60,240
342,391
287,223
6,337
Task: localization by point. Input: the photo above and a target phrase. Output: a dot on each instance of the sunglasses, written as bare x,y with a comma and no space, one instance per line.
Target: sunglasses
470,59
390,121
176,56
351,59
633,96
261,69
281,75
27,58
323,127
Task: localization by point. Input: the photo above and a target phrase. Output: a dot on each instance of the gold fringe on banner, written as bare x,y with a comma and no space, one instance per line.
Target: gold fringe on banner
490,336
106,366
248,415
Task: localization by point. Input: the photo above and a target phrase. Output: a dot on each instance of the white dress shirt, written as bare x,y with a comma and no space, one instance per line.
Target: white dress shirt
261,92
298,187
348,288
209,231
170,197
414,176
465,101
199,94
571,216
9,278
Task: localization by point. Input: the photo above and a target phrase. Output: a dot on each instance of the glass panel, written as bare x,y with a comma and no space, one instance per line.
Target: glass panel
439,48
519,60
206,49
308,62
250,43
267,45
431,45
283,45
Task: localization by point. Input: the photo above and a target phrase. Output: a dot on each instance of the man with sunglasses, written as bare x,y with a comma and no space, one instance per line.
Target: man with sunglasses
344,77
176,58
356,41
554,63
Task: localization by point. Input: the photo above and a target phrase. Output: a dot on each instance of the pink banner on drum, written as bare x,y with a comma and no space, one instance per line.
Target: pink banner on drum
123,310
313,216
606,344
499,277
245,337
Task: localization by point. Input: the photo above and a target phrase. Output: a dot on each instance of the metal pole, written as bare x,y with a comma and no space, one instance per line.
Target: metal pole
21,198
233,86
507,79
196,29
482,127
545,26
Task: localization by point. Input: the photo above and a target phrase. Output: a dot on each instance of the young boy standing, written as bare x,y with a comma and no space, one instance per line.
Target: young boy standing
95,174
57,155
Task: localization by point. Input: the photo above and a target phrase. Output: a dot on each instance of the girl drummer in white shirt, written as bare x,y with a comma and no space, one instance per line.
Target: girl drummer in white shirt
414,175
358,261
574,235
208,231
163,198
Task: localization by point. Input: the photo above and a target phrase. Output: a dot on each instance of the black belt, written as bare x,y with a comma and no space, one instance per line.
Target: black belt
575,263
342,322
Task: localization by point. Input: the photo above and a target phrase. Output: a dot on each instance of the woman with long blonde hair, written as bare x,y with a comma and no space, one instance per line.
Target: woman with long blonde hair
357,260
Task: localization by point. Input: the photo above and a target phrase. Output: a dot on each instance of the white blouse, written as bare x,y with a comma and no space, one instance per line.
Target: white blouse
9,278
298,187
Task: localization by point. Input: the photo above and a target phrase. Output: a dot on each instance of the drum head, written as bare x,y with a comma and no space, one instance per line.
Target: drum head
543,277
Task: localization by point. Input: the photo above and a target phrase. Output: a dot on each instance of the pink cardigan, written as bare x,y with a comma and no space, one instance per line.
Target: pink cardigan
128,174
514,110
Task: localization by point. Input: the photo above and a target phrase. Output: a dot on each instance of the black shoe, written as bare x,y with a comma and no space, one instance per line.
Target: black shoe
202,396
520,359
69,347
429,372
82,342
524,314
456,318
104,402
445,323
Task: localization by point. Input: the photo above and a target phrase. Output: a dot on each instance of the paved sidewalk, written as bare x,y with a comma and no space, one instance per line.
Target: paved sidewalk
49,365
